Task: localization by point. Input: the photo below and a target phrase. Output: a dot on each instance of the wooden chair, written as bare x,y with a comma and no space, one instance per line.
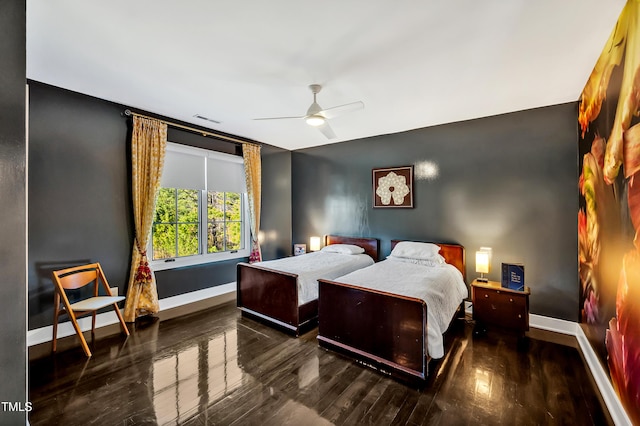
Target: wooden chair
76,278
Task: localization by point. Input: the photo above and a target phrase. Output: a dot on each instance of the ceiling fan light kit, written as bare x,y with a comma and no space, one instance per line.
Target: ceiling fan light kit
315,120
318,117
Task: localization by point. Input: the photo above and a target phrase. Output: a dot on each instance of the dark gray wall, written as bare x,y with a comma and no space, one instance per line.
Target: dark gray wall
79,192
79,189
507,182
13,151
275,218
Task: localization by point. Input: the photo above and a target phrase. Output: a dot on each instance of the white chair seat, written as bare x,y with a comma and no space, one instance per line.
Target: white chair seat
95,303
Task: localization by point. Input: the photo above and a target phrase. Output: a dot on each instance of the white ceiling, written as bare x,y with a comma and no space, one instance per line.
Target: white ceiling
413,63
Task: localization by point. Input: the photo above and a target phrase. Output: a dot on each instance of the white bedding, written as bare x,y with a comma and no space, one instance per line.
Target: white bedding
441,287
312,266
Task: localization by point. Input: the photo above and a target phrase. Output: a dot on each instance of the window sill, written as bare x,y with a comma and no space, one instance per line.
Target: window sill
160,265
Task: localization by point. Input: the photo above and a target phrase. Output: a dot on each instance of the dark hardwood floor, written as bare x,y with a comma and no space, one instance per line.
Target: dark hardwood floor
217,368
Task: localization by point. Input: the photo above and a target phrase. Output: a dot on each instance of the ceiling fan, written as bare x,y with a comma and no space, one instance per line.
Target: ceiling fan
318,117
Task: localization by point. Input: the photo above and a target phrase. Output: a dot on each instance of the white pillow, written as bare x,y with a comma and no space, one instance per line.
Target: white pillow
435,261
415,250
343,249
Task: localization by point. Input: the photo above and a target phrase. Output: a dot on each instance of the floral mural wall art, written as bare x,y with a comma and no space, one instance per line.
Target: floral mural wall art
393,187
609,215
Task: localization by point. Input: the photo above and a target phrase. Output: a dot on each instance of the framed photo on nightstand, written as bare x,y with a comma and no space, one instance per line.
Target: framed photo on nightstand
513,276
299,249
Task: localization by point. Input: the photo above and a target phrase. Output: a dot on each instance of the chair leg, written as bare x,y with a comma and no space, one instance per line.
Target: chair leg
83,342
56,314
125,330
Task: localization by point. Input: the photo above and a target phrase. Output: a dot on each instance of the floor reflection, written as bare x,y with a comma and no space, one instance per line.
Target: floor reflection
483,383
308,372
186,381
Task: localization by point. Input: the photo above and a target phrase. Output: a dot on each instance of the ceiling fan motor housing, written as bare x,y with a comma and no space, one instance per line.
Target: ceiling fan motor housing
314,116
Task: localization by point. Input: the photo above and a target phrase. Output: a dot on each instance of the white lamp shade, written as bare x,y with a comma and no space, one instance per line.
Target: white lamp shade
314,243
482,262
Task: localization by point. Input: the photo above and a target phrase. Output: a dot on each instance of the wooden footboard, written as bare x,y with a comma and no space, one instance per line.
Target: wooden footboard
272,296
385,330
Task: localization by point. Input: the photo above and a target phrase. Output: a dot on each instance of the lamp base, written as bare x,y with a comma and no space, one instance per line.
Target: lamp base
482,280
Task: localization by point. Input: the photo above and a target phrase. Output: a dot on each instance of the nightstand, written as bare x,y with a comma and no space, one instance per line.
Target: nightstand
494,305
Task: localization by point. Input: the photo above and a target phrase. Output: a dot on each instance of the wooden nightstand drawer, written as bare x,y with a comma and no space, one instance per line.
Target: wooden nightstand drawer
505,308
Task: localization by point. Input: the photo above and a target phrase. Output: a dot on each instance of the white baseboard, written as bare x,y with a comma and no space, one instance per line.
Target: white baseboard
553,324
617,412
197,296
224,292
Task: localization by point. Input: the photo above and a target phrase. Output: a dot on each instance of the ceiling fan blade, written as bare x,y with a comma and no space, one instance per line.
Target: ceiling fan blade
280,118
327,130
341,109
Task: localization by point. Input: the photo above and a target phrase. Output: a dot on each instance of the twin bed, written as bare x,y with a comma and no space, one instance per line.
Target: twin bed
390,315
283,292
393,315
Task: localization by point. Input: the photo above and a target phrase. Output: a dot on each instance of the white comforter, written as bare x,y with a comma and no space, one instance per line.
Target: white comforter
441,287
312,266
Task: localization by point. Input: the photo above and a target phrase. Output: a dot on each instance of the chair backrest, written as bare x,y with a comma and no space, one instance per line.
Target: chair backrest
80,276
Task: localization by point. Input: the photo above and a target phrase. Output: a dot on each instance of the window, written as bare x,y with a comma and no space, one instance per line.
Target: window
201,214
224,221
176,224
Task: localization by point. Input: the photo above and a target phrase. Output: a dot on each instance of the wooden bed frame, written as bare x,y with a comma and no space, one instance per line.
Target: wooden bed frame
383,330
272,296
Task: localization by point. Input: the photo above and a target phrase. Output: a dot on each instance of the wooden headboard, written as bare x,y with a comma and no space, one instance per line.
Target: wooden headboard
452,253
371,246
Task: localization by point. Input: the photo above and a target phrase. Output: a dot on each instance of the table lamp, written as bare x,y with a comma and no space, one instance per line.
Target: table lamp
483,263
314,243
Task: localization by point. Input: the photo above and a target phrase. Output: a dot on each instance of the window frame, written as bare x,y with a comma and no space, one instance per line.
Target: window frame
204,257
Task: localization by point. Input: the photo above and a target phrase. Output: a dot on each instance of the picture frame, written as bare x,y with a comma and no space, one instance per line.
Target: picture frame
513,276
299,249
393,187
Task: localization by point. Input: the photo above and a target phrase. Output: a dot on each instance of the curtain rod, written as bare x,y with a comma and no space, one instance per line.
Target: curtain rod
128,112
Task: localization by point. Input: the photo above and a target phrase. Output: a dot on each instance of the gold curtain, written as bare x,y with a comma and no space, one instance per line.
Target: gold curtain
253,175
148,143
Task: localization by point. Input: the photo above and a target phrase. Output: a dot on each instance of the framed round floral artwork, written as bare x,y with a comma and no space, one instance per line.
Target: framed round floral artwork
393,187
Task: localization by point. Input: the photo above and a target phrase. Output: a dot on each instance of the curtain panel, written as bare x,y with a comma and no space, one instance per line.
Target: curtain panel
148,144
253,176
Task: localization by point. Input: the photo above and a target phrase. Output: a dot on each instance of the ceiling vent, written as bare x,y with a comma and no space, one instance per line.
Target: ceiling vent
202,117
